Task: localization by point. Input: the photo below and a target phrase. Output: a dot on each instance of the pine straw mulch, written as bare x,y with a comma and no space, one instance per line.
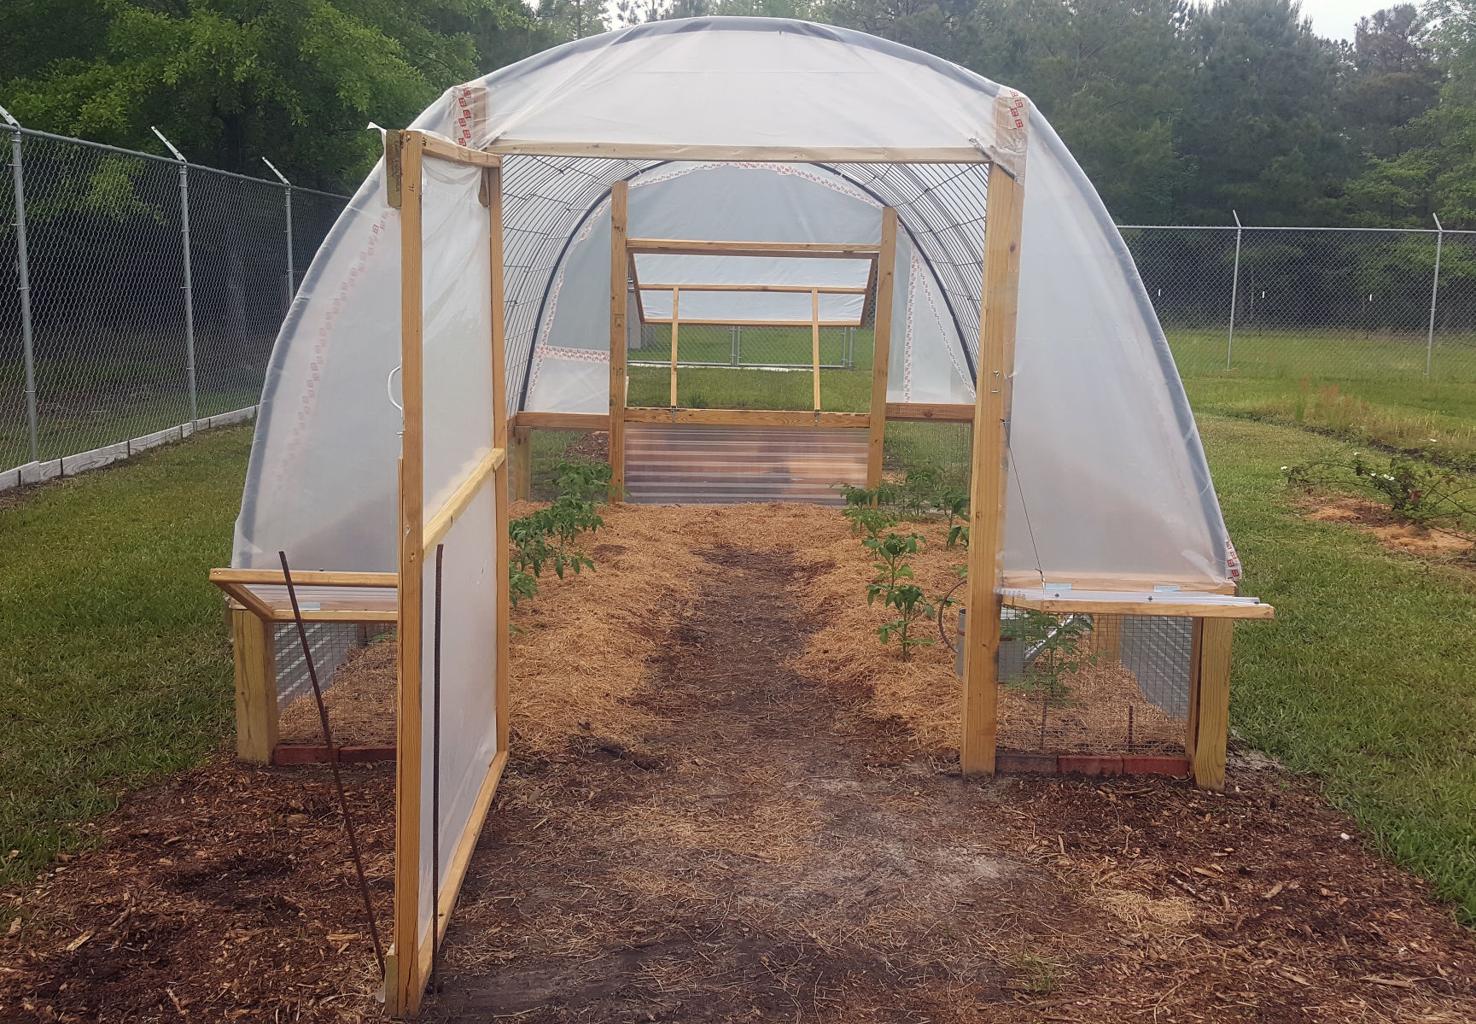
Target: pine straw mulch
728,802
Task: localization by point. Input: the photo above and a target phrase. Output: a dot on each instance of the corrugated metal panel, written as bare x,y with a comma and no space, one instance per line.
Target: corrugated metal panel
685,464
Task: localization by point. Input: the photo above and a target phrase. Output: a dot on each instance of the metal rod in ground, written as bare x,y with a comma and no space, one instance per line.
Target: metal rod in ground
435,963
1434,297
348,820
28,350
1234,293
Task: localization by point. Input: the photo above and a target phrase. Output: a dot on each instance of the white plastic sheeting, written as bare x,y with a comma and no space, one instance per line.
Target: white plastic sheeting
457,427
1107,473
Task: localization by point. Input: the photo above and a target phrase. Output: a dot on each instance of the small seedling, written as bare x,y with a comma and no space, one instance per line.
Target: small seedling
911,606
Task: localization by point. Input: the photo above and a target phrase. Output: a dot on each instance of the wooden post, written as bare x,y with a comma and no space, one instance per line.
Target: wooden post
403,989
676,299
1107,630
1212,707
619,204
1000,297
254,642
881,347
815,343
520,458
502,557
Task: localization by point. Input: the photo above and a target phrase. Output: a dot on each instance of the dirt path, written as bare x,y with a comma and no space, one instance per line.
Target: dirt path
770,852
774,852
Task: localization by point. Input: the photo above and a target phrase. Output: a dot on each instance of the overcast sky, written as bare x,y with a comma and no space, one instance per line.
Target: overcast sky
1337,18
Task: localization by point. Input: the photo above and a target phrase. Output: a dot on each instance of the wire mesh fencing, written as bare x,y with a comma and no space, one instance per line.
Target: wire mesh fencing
1100,684
143,296
1321,305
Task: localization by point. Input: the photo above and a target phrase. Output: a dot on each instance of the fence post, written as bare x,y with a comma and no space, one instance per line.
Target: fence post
189,285
28,350
287,196
1234,292
1434,296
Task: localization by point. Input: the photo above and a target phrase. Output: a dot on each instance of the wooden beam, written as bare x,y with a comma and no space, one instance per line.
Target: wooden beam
1164,605
254,645
307,578
823,289
676,327
738,322
881,346
445,149
520,463
389,614
619,254
939,412
441,521
1191,725
502,551
748,417
761,154
1212,708
404,990
1029,579
815,345
245,597
1000,297
724,247
562,420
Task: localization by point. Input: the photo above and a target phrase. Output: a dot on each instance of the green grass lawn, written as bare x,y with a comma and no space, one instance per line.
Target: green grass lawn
114,662
1370,390
114,666
1365,678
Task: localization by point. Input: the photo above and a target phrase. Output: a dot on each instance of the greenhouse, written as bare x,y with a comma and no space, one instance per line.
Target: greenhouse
602,238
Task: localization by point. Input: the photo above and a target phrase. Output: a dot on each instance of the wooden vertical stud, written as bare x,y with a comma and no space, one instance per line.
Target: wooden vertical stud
1000,298
619,204
1107,634
1212,708
254,642
502,553
403,990
881,348
520,455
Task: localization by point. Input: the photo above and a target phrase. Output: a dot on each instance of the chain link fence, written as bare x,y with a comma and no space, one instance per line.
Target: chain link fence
1320,305
142,297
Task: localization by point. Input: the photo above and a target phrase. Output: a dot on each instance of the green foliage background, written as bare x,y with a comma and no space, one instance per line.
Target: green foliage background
1178,111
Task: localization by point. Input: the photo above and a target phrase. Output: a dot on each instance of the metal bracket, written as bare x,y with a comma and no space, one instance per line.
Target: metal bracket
169,145
10,119
280,176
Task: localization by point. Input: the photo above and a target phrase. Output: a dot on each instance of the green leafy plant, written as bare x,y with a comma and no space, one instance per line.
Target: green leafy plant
892,552
868,520
1416,491
1058,649
548,537
911,606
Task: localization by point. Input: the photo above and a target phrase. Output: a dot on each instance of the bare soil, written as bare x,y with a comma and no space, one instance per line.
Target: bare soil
700,823
1429,542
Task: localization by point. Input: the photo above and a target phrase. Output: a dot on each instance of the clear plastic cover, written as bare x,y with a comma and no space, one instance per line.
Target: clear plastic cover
468,666
1107,473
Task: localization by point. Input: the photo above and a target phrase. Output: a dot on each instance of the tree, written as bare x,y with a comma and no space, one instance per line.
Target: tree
1260,120
1393,80
231,81
1110,76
